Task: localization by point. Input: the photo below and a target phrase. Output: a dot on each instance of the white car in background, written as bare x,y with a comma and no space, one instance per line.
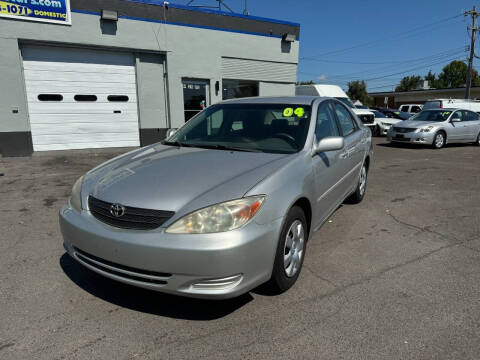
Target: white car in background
411,108
335,91
382,123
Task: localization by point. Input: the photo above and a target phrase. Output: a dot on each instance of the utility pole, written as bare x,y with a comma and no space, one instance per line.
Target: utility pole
474,13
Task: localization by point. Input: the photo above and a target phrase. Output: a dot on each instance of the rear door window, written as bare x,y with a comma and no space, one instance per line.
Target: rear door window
404,108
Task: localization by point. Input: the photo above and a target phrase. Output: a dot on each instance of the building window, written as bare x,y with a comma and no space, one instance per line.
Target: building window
239,88
117,98
85,98
50,97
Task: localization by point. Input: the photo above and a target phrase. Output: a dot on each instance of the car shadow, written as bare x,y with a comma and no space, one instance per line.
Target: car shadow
148,301
419,146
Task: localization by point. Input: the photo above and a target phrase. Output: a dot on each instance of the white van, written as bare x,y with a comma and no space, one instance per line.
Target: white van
366,116
473,105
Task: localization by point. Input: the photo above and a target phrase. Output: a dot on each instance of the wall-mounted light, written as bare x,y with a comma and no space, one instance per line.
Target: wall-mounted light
288,37
110,15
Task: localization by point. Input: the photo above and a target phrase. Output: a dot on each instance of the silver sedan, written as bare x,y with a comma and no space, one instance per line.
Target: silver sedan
438,127
226,203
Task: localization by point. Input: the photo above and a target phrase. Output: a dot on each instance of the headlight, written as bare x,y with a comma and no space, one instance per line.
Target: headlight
426,129
76,197
221,217
386,124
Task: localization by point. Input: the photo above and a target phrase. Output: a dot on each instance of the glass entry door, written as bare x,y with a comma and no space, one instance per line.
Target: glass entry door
195,97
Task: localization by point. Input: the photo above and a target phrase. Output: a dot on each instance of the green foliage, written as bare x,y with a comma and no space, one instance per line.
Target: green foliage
308,82
409,83
357,90
454,75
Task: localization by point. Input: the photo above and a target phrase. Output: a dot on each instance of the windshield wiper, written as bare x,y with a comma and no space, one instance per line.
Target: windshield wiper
176,143
224,147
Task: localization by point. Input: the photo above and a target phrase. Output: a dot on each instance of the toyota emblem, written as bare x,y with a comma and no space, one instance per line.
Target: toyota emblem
117,210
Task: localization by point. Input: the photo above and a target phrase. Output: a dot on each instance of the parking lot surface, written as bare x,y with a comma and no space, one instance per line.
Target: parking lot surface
397,276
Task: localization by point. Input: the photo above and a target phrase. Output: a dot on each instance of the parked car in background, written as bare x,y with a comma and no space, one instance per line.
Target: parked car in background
226,203
411,108
393,113
383,123
473,105
334,91
437,127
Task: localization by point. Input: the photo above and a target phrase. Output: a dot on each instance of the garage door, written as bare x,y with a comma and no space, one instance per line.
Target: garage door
80,98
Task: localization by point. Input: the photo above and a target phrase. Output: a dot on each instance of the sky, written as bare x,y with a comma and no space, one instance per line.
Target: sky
376,41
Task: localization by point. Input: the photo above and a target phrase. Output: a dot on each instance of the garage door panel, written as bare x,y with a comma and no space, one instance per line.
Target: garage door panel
111,138
77,146
40,119
74,124
80,88
82,128
69,99
79,68
80,77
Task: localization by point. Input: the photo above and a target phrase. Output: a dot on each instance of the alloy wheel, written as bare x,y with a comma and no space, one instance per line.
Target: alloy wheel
294,248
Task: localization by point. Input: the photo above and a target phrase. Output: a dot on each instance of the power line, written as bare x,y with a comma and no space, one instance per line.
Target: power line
390,36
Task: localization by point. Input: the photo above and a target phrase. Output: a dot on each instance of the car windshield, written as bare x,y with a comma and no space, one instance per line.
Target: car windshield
346,101
432,115
270,128
402,115
379,114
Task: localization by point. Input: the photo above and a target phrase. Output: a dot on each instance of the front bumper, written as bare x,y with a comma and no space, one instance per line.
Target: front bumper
221,265
414,137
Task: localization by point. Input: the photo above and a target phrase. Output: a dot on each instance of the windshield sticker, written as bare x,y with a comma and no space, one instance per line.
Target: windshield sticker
446,113
299,112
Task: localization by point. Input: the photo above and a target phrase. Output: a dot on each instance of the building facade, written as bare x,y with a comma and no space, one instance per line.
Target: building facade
101,81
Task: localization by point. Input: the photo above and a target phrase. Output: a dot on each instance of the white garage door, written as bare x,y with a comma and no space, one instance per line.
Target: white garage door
80,98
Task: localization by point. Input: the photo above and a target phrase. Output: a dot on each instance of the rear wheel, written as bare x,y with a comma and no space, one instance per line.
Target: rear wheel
290,251
439,140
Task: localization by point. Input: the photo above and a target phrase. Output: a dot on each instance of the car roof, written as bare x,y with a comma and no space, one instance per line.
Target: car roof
301,100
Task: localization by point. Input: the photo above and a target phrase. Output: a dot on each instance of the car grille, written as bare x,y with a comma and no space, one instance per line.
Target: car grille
133,218
367,119
126,272
403,130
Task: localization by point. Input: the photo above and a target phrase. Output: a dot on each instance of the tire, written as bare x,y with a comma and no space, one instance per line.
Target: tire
478,140
376,131
359,193
285,269
437,143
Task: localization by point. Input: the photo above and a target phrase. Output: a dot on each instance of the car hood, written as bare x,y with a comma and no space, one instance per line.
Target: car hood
362,111
389,120
417,124
170,178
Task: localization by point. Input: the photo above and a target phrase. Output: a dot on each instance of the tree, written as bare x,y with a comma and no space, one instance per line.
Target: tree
357,90
431,78
308,82
454,75
409,83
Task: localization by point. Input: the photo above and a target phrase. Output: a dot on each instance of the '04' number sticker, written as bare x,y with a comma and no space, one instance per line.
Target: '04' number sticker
288,112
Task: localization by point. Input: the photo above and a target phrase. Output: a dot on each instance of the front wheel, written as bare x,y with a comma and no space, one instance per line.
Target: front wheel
290,251
359,192
478,140
439,140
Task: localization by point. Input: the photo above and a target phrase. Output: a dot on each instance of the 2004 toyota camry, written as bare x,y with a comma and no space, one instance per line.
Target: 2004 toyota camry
226,203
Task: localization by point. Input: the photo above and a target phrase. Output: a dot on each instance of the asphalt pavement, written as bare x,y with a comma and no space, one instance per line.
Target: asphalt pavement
395,277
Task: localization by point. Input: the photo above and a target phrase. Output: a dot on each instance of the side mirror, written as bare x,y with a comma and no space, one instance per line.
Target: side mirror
455,119
329,143
170,132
